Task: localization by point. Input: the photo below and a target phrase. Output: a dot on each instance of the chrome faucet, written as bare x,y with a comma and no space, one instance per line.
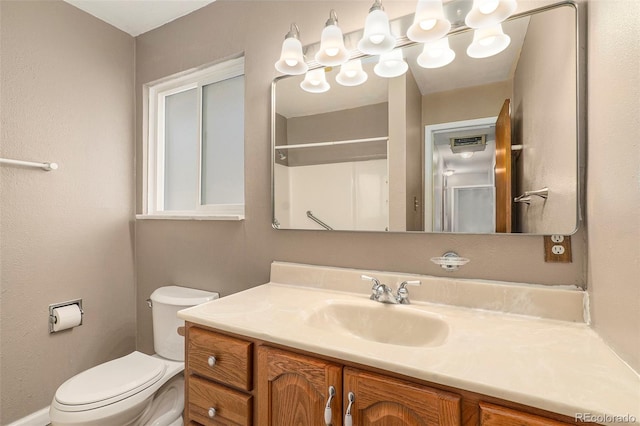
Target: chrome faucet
382,293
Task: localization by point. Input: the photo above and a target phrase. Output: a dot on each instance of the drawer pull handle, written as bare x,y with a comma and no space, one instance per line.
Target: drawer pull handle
348,420
328,415
212,412
211,361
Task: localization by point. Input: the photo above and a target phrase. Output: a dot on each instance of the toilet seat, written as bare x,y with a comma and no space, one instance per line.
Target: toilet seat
109,382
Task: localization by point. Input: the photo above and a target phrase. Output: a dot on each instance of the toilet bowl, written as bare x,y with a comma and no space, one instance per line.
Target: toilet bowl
136,389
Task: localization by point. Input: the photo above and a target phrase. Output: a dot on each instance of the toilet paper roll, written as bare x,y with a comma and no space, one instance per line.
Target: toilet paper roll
66,317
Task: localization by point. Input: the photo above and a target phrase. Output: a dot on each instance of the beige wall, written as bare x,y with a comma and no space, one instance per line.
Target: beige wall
232,256
465,104
398,153
67,84
543,112
414,154
613,183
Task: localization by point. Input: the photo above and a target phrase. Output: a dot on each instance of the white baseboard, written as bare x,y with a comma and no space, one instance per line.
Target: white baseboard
39,418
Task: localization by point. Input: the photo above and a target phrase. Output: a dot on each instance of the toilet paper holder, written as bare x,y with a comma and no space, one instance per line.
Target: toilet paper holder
52,317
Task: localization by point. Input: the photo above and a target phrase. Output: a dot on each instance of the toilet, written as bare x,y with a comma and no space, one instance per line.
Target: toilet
137,389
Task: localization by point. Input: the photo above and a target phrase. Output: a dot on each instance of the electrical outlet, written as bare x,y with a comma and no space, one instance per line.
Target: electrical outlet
557,249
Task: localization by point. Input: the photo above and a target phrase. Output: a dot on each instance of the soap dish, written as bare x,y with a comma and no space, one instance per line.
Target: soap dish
450,261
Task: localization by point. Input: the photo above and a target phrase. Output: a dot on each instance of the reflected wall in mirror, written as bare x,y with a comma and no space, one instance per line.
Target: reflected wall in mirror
438,150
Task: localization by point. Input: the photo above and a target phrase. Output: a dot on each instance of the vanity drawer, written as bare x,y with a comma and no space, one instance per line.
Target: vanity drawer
213,404
221,358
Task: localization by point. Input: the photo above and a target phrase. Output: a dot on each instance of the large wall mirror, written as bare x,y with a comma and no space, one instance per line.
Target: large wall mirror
477,146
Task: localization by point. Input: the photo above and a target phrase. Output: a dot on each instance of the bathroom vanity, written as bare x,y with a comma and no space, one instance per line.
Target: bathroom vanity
320,352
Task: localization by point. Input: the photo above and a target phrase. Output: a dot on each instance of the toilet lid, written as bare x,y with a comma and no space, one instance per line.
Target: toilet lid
111,381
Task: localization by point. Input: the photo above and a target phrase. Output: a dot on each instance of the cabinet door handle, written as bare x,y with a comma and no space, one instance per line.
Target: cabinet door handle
328,415
348,420
211,361
212,412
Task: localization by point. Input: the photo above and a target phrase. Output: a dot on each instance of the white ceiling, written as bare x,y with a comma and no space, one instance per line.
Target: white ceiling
138,16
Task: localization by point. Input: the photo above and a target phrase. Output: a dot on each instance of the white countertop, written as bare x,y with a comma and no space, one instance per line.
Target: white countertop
559,366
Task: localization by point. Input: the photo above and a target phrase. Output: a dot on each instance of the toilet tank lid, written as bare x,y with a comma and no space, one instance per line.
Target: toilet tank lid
182,296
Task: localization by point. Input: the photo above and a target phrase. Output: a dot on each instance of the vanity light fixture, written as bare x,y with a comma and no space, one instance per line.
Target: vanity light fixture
436,54
352,74
391,64
486,13
429,22
377,37
291,59
315,81
332,51
488,42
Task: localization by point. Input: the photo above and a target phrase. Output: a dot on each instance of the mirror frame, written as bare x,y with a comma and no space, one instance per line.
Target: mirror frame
402,42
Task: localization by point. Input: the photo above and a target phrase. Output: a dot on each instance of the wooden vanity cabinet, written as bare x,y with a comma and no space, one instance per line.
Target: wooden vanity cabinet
294,389
385,401
495,415
252,382
218,379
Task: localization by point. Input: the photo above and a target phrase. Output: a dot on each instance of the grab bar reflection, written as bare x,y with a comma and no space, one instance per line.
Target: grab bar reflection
526,197
45,166
318,221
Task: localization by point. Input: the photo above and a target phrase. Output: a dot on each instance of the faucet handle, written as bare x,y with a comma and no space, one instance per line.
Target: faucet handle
376,285
404,284
375,281
403,292
364,277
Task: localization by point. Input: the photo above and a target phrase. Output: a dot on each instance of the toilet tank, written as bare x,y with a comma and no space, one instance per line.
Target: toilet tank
165,304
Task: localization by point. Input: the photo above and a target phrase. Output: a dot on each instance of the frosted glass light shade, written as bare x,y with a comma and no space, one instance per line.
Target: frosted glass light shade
315,81
488,42
291,58
429,23
352,74
332,51
377,37
436,54
391,64
486,13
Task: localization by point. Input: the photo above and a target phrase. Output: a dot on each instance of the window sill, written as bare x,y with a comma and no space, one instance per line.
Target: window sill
230,217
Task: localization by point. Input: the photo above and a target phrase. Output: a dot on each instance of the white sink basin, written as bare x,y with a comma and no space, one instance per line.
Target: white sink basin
383,323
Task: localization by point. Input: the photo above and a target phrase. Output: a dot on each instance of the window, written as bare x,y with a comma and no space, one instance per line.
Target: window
195,144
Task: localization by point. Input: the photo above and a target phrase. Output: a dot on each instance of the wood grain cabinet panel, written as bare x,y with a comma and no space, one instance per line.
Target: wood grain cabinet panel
233,358
229,407
385,401
293,389
288,388
495,415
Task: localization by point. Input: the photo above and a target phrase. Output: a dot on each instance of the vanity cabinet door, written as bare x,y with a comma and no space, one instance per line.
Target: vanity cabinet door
293,389
385,401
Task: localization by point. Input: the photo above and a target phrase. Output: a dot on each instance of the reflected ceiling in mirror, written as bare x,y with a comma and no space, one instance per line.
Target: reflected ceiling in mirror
437,149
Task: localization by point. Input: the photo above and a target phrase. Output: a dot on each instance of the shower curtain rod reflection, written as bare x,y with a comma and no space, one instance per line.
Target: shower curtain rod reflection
311,145
44,166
